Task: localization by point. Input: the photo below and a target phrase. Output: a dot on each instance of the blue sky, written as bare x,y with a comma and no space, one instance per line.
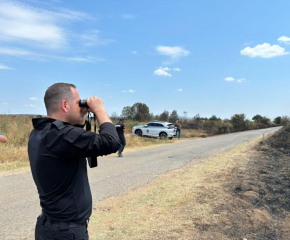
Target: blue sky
199,57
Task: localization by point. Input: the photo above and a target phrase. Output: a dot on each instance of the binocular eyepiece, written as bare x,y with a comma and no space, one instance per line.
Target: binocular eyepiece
83,103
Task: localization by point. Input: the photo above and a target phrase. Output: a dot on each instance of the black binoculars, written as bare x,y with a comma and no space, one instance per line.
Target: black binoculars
83,103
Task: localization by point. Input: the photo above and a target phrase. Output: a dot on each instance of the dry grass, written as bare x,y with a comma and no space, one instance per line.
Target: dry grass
203,201
17,130
191,133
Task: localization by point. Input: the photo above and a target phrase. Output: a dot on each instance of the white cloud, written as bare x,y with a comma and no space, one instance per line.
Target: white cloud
5,103
22,23
179,90
284,39
162,72
80,59
34,33
3,67
128,16
92,38
33,98
174,53
177,69
18,22
16,52
229,79
30,105
135,52
264,50
129,91
247,43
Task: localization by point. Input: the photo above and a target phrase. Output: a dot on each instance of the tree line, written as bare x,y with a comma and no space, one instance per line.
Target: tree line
213,125
140,112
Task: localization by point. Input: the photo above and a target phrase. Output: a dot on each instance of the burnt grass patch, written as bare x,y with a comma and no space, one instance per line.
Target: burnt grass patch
250,200
261,192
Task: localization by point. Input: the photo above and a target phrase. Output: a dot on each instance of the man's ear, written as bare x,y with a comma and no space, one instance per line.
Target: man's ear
64,106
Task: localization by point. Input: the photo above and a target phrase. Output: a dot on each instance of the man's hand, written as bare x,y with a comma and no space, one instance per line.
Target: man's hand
3,139
97,107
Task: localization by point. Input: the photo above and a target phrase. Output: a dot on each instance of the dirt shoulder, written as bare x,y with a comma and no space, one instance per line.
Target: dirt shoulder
243,193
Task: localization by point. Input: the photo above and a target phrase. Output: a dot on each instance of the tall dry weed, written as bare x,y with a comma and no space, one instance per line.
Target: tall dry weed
17,130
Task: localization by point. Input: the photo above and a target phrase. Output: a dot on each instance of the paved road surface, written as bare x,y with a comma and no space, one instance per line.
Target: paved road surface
19,204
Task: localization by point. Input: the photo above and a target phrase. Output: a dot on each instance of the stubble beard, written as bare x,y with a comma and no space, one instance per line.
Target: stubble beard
82,118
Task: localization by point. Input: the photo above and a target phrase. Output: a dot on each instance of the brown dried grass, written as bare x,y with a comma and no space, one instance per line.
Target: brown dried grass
17,130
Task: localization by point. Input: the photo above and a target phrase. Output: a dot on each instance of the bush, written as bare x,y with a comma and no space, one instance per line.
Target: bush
285,121
213,127
239,122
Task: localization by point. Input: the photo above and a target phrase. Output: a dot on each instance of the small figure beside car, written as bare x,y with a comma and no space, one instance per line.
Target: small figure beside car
178,128
120,130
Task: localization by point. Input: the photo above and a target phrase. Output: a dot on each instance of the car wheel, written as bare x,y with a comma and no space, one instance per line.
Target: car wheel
138,133
163,135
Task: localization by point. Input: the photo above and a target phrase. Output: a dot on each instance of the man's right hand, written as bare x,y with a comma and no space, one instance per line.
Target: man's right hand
97,107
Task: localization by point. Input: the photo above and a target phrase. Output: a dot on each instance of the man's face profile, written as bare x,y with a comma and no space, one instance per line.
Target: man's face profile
76,113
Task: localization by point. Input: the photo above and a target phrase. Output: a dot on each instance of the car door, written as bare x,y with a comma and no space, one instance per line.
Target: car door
158,129
148,129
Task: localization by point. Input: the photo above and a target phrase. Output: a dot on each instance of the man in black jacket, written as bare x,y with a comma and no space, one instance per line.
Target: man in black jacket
120,130
57,150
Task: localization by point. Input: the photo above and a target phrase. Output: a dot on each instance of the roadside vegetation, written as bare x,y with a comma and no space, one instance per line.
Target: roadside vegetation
198,125
240,194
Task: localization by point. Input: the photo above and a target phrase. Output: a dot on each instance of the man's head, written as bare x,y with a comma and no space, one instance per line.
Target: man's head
62,102
121,120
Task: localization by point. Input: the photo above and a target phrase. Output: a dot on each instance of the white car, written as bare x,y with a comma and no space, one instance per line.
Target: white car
156,129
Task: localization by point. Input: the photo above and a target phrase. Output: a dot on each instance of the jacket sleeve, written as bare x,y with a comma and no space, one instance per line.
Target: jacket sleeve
77,142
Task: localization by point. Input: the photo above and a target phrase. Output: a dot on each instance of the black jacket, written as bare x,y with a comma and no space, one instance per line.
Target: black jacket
120,128
57,153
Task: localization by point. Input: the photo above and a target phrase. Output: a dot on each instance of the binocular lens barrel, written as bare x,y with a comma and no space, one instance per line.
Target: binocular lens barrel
83,103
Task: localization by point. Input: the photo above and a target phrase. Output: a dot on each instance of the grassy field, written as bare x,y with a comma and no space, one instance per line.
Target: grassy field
241,194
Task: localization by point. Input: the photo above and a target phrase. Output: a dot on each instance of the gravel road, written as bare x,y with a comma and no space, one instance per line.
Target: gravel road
19,204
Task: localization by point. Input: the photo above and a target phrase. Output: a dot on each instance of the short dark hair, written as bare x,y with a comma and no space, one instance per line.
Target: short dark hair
55,94
121,119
